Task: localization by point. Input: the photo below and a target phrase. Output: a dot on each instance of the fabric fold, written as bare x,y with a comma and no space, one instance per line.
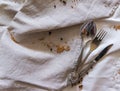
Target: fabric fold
40,42
41,15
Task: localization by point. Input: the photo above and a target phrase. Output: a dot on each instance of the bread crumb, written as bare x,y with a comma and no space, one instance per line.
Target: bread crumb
63,1
81,86
67,48
49,33
117,27
60,48
54,6
119,71
51,49
61,38
71,6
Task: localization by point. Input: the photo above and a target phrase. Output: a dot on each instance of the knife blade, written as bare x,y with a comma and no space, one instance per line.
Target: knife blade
103,52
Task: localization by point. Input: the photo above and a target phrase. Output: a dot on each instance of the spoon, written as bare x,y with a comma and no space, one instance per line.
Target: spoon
88,31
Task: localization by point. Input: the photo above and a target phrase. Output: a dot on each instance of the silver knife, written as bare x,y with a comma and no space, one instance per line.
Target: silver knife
91,64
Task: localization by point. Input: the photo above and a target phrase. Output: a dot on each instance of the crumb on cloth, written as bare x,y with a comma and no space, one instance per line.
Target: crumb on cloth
81,86
61,48
63,1
117,27
54,6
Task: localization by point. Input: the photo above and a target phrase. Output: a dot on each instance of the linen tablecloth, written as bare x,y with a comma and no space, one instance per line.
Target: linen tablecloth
40,42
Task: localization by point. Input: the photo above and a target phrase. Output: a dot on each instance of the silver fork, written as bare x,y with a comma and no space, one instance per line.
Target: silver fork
94,44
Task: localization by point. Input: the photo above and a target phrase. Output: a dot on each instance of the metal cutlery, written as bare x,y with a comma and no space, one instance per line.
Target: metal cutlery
94,44
90,65
87,32
82,67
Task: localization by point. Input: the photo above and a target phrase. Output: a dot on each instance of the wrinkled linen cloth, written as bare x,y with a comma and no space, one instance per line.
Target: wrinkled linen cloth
33,34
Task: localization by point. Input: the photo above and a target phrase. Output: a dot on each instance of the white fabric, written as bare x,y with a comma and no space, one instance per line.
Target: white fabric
27,64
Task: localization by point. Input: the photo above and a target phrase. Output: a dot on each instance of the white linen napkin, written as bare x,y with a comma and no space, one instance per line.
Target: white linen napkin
40,43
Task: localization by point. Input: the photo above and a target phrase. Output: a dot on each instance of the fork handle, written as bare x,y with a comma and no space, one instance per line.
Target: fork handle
87,56
79,61
83,61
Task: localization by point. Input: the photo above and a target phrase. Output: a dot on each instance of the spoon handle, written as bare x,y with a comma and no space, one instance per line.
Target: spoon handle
79,59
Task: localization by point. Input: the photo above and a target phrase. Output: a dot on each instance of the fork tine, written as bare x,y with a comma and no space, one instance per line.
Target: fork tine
103,35
98,34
